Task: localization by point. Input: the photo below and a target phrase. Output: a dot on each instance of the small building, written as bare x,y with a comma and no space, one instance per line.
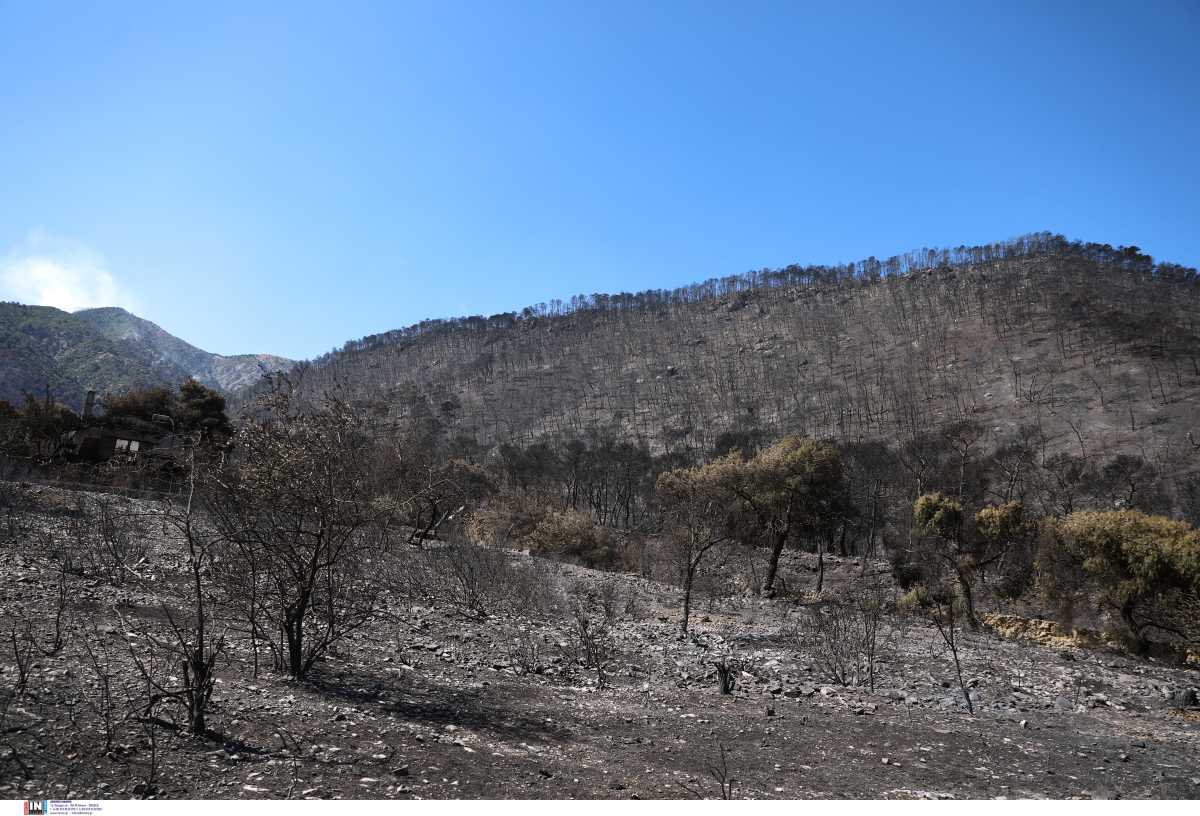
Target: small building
98,444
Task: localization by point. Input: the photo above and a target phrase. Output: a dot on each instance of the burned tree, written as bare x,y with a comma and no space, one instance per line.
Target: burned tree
694,502
294,502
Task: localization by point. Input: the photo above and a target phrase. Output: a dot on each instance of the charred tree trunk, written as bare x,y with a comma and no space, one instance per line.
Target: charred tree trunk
688,580
820,563
773,564
968,595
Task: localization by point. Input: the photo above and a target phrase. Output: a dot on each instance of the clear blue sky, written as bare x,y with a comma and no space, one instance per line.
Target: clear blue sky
286,178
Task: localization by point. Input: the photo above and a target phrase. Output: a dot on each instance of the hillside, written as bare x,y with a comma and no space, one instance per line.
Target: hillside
108,350
1077,340
225,373
424,702
1061,375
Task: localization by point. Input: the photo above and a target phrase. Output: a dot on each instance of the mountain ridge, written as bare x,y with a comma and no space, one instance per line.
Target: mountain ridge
107,349
224,372
1001,334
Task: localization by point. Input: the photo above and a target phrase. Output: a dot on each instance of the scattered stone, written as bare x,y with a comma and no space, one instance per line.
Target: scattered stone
1183,698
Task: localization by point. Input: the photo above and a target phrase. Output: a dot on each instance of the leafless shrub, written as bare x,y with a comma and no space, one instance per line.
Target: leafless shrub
142,698
534,587
847,635
727,672
174,645
592,627
594,643
33,629
873,603
525,652
832,633
183,640
107,538
608,596
101,700
292,747
633,609
716,767
61,603
941,605
473,581
22,642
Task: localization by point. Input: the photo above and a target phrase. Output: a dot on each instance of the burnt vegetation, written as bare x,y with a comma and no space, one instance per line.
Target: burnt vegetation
830,488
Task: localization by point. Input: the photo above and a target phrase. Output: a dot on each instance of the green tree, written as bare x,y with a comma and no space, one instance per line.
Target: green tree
137,406
45,421
1133,564
794,489
201,408
14,440
1006,535
943,543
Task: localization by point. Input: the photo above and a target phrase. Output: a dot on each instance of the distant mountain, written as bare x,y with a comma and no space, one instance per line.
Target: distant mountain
215,370
107,349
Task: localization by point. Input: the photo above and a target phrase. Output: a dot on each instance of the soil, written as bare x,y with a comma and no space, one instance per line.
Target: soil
426,704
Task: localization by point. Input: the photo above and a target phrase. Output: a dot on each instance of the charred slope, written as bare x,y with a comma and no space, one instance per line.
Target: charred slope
1097,347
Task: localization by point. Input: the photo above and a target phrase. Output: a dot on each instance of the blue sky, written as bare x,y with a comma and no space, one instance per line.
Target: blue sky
284,179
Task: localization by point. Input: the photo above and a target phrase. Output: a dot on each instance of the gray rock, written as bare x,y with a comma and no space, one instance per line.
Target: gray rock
1183,698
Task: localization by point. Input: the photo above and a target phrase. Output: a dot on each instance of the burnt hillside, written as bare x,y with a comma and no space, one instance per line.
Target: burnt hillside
1096,347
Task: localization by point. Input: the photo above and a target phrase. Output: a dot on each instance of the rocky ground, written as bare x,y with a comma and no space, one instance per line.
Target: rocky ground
426,703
